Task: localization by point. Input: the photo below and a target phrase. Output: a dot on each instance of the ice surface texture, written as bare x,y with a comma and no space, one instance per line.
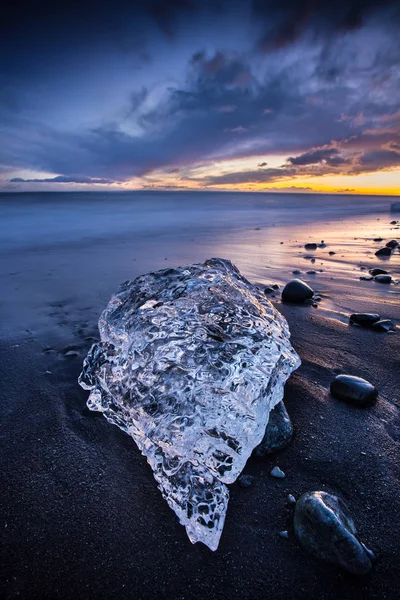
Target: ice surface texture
190,363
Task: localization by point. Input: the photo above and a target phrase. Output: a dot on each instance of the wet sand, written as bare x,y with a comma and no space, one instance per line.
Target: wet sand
82,516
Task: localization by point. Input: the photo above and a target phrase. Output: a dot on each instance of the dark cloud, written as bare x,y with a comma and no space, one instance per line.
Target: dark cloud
64,179
264,176
377,160
223,70
320,93
292,188
329,156
286,21
166,13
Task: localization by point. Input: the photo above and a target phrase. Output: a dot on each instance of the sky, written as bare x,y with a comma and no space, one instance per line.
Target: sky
262,95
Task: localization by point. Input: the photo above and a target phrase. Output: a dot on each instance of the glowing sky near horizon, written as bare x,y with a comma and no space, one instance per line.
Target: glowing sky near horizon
240,95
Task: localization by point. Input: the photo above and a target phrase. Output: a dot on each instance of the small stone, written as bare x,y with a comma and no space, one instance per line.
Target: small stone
313,260
296,272
291,499
354,390
378,239
332,253
383,279
310,246
364,319
275,286
392,244
384,325
278,433
323,525
383,252
378,271
311,272
393,222
246,481
366,278
296,291
284,534
276,472
317,298
269,290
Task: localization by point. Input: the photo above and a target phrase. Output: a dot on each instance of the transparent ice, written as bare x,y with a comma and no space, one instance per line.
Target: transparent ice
190,363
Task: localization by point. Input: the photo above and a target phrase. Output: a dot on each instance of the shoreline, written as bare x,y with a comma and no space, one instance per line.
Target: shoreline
84,512
83,517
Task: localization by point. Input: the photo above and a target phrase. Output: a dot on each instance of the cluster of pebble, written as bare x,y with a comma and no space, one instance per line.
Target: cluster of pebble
321,521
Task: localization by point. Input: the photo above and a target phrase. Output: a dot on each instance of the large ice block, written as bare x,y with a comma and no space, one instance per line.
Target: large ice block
190,363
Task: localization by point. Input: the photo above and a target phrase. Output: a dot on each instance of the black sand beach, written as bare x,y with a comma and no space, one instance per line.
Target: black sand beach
81,513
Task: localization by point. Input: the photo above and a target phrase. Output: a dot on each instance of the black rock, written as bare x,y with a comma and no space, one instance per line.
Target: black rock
296,272
278,473
278,432
354,390
378,271
378,239
393,222
384,325
275,286
383,279
312,272
332,253
323,525
383,252
392,244
284,534
310,246
268,290
364,319
246,481
297,291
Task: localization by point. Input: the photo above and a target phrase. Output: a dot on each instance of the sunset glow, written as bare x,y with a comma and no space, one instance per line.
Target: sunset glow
252,97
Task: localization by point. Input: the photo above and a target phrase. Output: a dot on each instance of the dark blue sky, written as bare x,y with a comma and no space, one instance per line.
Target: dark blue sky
214,95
